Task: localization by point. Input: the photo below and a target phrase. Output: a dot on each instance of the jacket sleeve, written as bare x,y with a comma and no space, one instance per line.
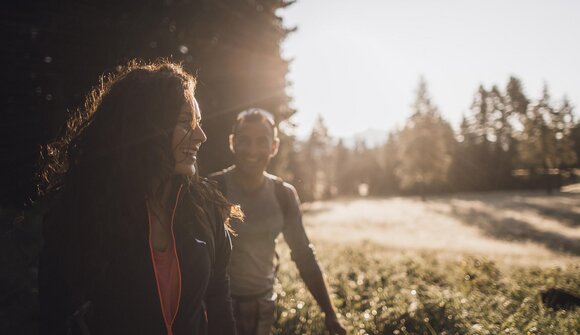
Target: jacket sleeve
217,299
302,251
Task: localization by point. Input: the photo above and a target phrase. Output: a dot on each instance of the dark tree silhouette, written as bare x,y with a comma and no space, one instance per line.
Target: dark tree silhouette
57,50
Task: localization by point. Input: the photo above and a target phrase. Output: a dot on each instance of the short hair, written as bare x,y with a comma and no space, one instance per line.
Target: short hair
253,115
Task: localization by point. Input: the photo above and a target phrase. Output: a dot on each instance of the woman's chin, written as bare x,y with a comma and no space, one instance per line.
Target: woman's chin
185,170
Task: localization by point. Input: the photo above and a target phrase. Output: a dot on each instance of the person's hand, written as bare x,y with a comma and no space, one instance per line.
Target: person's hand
334,326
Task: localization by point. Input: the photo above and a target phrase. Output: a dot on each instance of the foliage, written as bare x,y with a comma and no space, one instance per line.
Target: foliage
389,183
381,292
503,133
377,290
317,155
59,49
424,144
545,139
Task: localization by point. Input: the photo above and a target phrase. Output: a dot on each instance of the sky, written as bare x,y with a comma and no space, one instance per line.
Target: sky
358,62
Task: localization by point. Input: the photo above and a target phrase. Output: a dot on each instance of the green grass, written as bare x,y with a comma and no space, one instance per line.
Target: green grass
379,291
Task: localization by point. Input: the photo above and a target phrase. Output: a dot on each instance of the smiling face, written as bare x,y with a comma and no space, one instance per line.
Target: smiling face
187,138
253,145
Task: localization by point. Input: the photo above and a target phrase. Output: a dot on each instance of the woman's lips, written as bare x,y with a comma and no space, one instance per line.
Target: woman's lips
190,153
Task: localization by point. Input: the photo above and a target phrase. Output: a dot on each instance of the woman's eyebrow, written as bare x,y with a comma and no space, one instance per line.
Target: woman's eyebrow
186,118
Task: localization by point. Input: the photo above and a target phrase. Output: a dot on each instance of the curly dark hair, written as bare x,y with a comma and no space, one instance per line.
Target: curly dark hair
106,161
124,130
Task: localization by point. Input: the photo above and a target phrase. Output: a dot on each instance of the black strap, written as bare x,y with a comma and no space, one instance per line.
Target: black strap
279,190
283,202
282,197
220,179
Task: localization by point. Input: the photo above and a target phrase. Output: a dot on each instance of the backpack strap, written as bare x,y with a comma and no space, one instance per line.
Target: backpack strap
282,197
220,178
284,202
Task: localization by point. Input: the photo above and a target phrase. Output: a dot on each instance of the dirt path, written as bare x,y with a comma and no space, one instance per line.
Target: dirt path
521,227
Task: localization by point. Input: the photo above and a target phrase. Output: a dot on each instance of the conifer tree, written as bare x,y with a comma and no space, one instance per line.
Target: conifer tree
476,148
516,104
575,139
537,145
62,47
341,166
424,153
463,163
562,123
481,118
545,144
389,180
516,100
501,131
317,157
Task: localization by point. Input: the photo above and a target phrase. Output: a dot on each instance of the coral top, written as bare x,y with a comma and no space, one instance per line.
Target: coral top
167,273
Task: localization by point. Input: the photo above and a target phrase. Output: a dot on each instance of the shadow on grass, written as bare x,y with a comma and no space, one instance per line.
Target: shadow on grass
509,229
323,206
566,217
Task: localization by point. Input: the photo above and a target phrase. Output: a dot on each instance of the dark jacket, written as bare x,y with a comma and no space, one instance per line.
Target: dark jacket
124,298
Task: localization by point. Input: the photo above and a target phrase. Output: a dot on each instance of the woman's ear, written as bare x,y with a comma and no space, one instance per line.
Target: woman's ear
232,144
275,147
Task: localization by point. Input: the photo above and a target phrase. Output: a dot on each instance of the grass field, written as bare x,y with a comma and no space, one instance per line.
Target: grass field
461,264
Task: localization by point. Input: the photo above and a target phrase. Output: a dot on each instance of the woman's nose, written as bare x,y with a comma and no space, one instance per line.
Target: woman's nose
199,134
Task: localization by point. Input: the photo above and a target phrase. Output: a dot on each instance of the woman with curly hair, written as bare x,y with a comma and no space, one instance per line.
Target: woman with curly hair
135,241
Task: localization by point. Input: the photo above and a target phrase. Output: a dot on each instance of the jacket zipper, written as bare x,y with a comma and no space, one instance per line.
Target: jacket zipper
168,325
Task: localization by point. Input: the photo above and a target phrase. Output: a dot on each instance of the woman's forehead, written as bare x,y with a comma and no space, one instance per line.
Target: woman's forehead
196,109
191,109
255,128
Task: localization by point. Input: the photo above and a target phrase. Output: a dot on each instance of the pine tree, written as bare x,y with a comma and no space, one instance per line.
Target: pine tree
537,145
481,118
562,123
501,129
342,171
575,138
389,180
317,161
463,162
424,153
476,149
516,100
546,146
516,104
61,48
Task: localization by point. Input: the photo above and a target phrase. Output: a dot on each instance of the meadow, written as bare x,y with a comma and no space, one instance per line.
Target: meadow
457,264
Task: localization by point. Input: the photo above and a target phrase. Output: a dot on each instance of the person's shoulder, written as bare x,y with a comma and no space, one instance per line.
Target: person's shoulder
289,188
208,190
220,173
206,182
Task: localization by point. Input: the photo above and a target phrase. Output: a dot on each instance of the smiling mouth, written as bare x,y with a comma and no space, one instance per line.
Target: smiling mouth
190,152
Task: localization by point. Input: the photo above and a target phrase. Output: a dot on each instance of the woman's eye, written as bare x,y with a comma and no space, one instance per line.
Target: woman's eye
187,124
